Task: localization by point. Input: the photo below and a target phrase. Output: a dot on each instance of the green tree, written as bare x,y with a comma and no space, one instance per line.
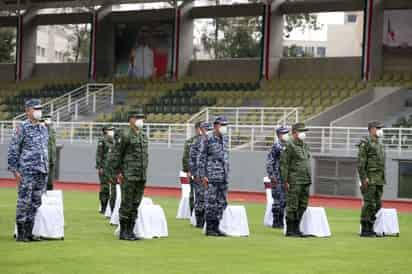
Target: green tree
7,45
80,42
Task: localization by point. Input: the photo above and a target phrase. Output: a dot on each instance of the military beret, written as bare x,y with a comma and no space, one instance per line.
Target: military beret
33,103
282,130
375,124
221,120
299,127
136,114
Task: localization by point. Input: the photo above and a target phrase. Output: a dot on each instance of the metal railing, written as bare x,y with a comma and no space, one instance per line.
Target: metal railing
327,140
85,99
261,116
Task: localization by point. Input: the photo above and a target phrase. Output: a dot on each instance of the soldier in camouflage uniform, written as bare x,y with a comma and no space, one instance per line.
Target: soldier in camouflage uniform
273,172
199,188
52,152
295,170
104,147
28,161
214,171
371,169
130,163
185,163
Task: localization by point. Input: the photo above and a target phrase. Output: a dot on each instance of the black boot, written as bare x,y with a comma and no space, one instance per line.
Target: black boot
290,229
21,233
297,228
123,231
200,220
366,230
210,229
276,221
130,232
102,208
29,232
218,231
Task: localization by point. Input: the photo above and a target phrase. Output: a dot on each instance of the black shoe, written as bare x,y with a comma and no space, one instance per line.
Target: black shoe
21,233
218,231
291,230
366,230
29,232
132,236
297,229
200,220
123,231
210,230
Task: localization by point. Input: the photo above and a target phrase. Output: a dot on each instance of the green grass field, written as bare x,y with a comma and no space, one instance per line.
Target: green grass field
90,247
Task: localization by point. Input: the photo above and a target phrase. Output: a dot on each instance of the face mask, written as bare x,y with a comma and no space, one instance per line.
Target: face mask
379,133
302,136
285,137
110,133
223,130
139,123
37,114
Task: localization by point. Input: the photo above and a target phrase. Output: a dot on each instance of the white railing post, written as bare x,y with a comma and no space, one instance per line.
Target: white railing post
347,141
297,115
148,132
58,117
322,141
330,139
237,118
94,102
400,141
169,137
252,139
2,133
87,94
69,102
188,131
91,133
71,133
284,117
51,108
76,111
262,119
112,94
207,115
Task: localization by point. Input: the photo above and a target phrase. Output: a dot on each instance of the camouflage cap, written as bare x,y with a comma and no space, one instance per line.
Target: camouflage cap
282,130
33,103
375,124
299,127
221,120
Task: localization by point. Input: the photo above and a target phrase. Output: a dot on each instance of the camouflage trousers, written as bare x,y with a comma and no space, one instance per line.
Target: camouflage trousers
200,192
192,195
104,194
216,200
279,203
297,201
51,177
372,202
30,191
112,196
132,195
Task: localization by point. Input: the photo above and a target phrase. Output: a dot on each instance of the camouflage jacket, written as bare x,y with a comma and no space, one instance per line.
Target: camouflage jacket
194,154
28,149
371,161
213,161
52,146
186,151
104,148
131,157
295,165
273,161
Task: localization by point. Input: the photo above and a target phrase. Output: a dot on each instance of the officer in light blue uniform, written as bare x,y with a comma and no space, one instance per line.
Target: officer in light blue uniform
28,161
273,172
214,171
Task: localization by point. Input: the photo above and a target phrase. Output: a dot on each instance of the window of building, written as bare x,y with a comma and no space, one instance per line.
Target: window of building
405,179
321,51
351,18
43,52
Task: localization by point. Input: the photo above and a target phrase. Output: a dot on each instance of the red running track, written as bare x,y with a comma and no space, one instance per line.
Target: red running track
237,196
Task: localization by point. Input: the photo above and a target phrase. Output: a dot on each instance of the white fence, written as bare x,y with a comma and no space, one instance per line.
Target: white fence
261,116
89,98
332,140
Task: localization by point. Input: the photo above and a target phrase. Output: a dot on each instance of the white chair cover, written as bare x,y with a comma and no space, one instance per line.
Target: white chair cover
183,211
314,223
268,218
108,211
234,222
387,222
151,222
49,219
